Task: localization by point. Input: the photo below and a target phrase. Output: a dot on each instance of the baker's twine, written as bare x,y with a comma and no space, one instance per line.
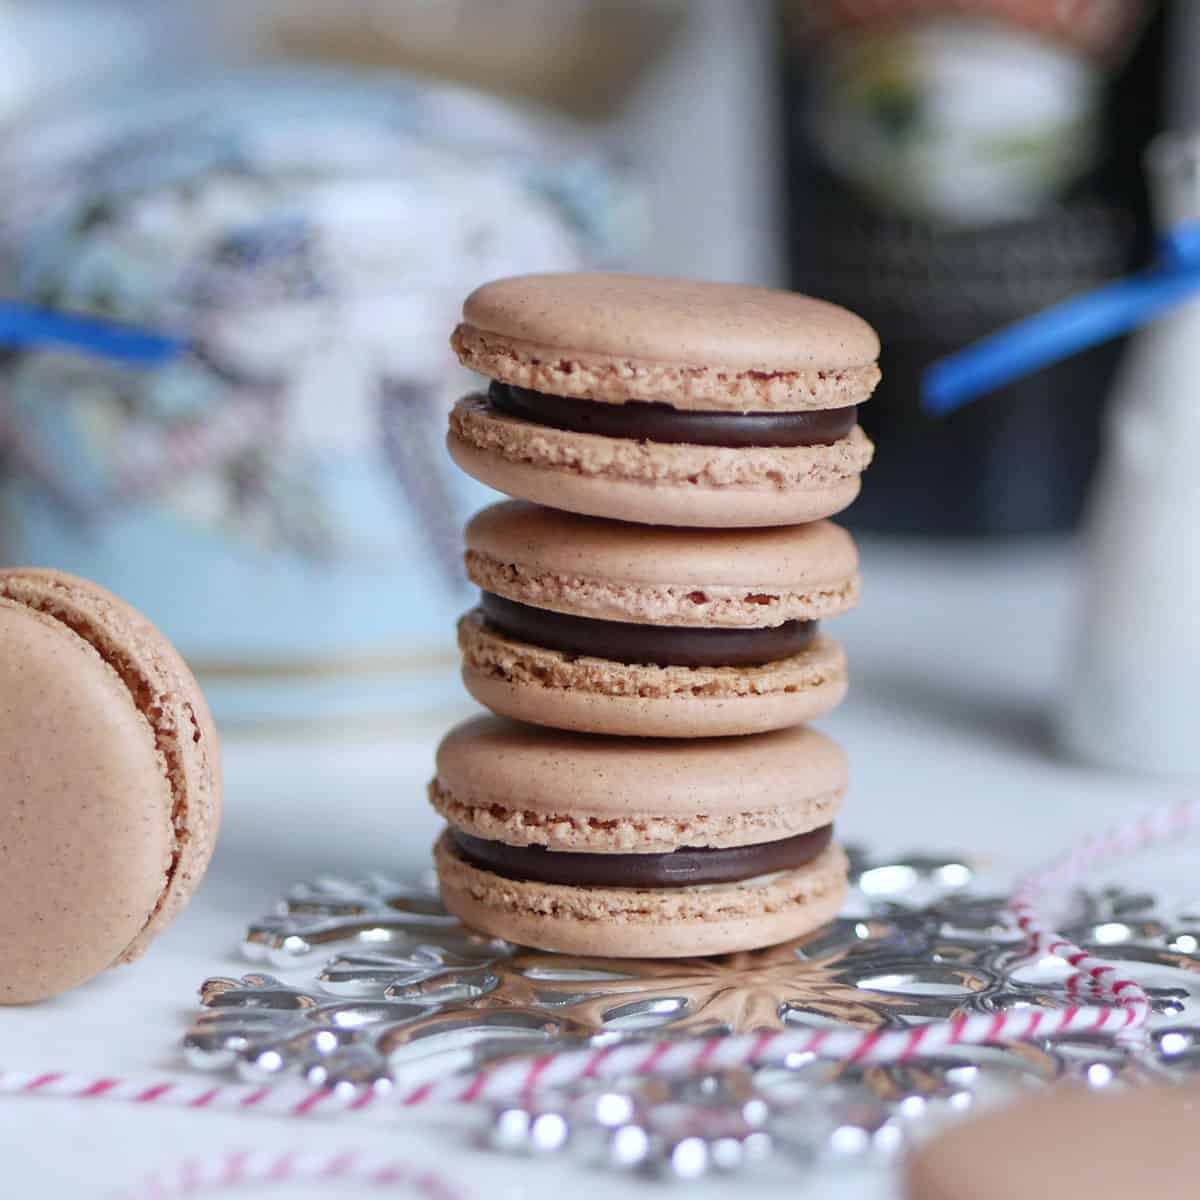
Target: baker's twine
1121,1006
245,1168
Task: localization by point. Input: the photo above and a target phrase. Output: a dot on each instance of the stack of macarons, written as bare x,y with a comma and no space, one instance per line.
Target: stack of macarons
647,633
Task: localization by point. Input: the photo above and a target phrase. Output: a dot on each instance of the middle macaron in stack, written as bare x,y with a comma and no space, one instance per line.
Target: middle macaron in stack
649,624
652,631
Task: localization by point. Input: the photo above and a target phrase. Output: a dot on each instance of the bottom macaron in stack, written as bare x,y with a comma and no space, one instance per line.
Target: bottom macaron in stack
615,847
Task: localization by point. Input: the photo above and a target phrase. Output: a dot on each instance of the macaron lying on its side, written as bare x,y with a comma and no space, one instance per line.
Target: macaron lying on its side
613,628
668,402
110,783
667,849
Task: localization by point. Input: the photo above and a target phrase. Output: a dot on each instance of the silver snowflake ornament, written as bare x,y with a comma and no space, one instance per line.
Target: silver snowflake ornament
391,989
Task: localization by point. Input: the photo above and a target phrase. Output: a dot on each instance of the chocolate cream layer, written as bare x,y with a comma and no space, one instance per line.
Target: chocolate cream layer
645,422
681,868
660,645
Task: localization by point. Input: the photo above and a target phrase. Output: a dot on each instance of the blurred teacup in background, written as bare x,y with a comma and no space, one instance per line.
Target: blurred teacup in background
278,500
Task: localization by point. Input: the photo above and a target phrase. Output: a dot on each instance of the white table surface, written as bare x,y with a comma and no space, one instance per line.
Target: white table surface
955,654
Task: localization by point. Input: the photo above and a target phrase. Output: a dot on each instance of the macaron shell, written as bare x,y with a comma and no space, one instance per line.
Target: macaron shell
710,487
1073,1143
594,695
536,786
165,692
638,833
618,380
688,343
607,570
476,423
85,825
673,320
638,923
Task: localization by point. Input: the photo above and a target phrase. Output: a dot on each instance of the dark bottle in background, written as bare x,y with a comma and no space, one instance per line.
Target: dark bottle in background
952,167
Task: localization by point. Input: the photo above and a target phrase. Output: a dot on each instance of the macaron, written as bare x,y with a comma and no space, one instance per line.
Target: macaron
1070,1143
656,848
607,627
664,401
110,783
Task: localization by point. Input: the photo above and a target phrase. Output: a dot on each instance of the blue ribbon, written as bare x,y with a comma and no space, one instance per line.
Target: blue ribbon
24,327
1017,350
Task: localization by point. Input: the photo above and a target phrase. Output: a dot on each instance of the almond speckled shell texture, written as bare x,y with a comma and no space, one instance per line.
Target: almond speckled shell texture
1069,1141
595,695
655,575
695,345
587,754
632,922
707,487
572,791
474,422
111,778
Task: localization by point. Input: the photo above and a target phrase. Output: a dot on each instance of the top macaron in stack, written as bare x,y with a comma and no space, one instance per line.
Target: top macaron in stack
674,448
663,401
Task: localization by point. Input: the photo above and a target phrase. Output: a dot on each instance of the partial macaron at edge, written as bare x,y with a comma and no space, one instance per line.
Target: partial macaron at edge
640,832
164,692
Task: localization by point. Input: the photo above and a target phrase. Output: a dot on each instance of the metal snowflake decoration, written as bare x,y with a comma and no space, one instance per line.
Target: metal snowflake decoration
402,992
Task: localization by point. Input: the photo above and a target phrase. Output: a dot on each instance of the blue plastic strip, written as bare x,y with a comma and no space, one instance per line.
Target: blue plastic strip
23,327
952,382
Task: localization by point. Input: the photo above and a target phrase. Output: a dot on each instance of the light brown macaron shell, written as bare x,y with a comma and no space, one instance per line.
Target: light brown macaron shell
110,783
524,786
646,575
1069,1143
643,923
696,346
708,487
528,786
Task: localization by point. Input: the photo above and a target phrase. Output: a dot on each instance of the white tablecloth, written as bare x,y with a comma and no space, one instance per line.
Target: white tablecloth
955,653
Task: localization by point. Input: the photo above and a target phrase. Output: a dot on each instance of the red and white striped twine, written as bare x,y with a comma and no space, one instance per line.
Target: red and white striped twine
1123,1006
244,1168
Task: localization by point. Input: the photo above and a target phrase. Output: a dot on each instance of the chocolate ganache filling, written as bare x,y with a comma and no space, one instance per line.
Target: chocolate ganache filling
657,645
646,422
681,868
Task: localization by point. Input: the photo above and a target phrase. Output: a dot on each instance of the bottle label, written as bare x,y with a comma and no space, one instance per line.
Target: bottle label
971,111
955,121
1095,27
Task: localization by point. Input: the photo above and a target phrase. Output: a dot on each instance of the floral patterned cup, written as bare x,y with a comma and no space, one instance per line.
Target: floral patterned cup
279,500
